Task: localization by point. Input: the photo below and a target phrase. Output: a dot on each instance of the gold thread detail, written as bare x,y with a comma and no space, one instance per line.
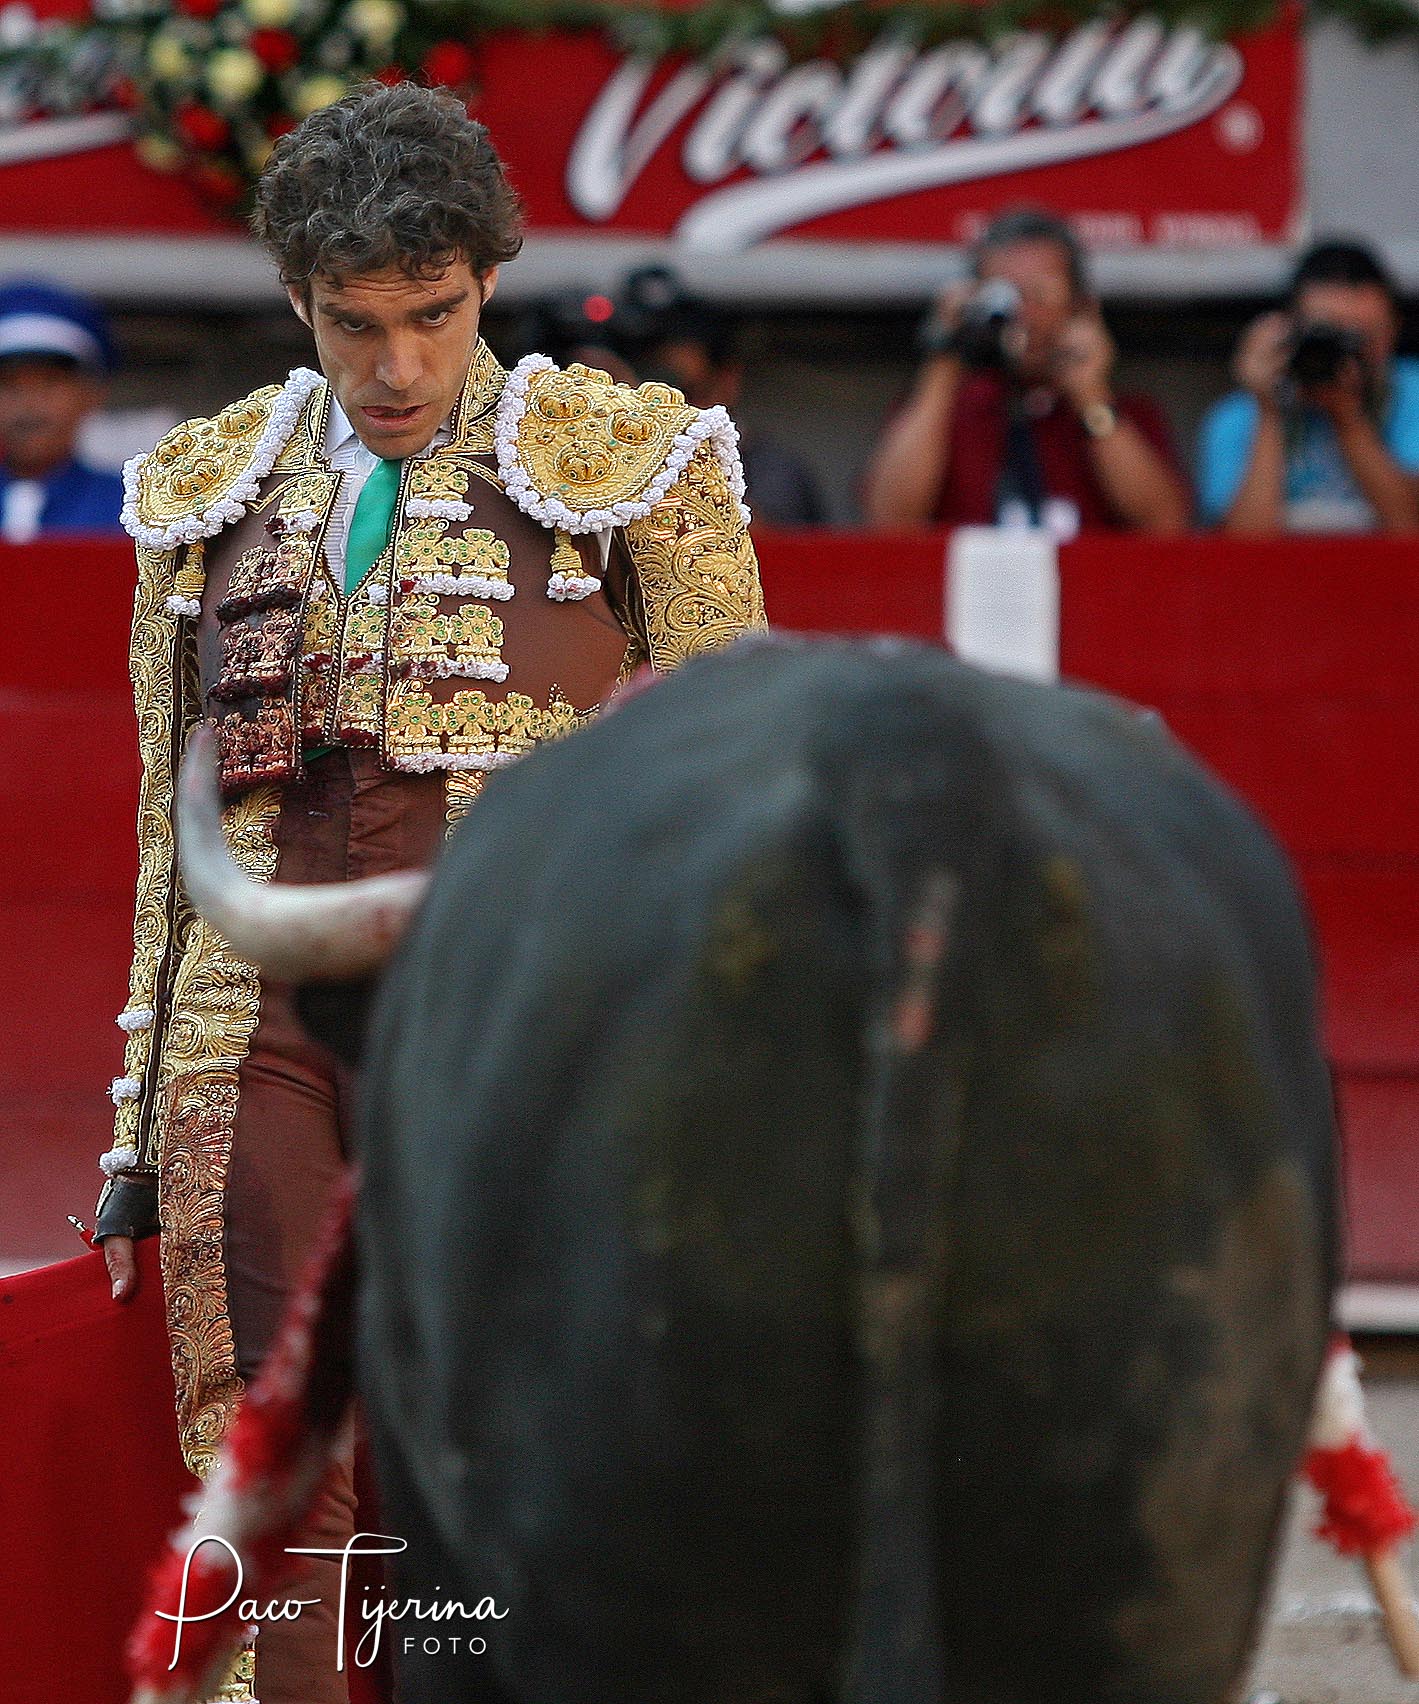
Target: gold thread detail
695,568
215,1006
590,442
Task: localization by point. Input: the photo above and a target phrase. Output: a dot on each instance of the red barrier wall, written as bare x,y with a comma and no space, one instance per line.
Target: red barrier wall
1292,668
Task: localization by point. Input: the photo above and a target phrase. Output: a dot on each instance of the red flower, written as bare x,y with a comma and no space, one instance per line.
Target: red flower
278,50
280,124
449,62
200,8
201,128
124,93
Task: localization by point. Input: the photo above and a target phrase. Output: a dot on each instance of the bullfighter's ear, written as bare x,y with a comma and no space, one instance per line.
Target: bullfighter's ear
337,1015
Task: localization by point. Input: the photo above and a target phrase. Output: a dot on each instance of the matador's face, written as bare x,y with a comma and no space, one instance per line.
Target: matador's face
396,349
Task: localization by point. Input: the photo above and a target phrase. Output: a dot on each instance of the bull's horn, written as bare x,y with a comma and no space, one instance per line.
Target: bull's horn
333,932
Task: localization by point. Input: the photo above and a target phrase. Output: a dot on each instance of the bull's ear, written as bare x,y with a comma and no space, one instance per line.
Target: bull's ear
337,1014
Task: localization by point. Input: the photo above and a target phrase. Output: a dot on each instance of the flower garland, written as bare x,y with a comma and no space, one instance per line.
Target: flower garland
214,84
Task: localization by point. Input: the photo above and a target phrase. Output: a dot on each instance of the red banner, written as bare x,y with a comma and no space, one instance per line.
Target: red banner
1147,135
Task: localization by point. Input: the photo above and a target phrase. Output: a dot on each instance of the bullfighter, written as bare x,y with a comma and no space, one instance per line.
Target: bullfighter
380,583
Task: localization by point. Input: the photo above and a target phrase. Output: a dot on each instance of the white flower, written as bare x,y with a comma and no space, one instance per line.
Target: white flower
312,93
135,1018
271,14
117,1160
375,20
124,1089
234,75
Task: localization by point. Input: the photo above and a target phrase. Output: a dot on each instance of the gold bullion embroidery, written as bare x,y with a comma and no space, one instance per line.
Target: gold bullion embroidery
461,788
157,923
473,427
215,1005
475,558
590,442
476,552
438,480
318,659
361,700
197,462
695,569
471,725
240,1685
417,631
190,581
309,493
566,558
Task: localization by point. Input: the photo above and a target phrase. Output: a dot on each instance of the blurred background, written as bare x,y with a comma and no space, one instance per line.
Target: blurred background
1192,171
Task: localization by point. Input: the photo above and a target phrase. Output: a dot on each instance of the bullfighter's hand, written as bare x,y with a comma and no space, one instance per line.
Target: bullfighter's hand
122,1267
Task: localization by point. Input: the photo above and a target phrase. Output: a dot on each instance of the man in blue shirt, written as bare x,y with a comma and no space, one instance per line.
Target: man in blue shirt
1324,434
55,354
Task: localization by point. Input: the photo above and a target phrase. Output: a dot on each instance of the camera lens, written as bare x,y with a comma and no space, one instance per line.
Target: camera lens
980,338
1319,351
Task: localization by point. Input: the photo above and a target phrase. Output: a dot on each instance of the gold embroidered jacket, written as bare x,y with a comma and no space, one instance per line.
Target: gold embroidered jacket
569,530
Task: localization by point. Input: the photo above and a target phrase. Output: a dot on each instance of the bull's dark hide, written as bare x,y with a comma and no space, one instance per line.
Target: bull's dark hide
742,1352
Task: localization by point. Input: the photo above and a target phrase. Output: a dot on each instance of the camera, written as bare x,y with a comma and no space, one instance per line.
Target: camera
987,332
1318,351
983,336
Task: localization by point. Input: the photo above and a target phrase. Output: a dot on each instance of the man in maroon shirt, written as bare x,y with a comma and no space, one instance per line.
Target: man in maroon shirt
1017,423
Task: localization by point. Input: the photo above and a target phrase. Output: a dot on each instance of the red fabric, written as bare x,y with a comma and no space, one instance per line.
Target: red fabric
1365,1511
91,1480
90,1477
978,453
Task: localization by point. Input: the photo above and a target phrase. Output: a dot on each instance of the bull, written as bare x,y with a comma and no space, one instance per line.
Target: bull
847,1209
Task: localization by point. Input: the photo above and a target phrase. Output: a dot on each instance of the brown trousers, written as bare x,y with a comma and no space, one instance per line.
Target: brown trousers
346,819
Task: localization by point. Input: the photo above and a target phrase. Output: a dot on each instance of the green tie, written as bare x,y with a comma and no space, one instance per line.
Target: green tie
369,533
371,521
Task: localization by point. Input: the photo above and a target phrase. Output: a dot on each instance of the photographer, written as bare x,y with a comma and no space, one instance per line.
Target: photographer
1013,419
1324,435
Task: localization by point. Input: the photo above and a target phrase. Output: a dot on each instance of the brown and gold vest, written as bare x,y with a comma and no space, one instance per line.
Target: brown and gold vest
454,653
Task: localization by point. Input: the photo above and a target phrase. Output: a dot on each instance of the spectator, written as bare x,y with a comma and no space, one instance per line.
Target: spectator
1013,419
1324,434
690,344
55,354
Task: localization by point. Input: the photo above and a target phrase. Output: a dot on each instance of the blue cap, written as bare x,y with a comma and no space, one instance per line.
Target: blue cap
43,319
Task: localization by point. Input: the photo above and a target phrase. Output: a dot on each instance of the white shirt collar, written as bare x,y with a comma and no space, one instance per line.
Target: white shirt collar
338,430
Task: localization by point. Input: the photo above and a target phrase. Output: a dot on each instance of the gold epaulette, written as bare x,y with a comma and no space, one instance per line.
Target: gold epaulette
581,452
203,473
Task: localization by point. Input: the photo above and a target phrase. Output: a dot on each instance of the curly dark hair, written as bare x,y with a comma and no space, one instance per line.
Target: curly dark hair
387,177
